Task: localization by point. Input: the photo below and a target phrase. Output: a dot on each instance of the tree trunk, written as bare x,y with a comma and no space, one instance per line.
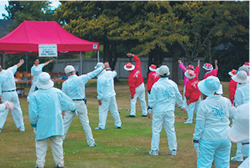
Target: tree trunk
175,67
114,60
106,52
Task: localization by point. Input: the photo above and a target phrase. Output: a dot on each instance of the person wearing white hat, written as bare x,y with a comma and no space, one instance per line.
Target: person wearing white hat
241,97
152,77
239,132
163,96
212,123
106,98
8,92
45,113
136,86
192,93
210,71
74,87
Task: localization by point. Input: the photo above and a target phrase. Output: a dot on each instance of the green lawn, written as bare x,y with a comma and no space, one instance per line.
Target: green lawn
126,147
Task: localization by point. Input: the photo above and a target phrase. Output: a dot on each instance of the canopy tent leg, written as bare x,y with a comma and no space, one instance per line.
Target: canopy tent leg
98,56
80,63
26,62
2,60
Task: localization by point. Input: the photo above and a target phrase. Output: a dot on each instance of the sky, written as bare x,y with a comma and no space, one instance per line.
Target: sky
54,4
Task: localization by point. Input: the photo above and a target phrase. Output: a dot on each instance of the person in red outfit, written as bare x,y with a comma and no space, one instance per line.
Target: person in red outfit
232,86
152,77
210,71
136,85
192,92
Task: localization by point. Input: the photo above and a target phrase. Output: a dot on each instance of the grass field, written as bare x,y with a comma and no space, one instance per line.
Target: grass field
126,147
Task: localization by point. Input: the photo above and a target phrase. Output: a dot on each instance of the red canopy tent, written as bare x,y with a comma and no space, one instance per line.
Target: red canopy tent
29,34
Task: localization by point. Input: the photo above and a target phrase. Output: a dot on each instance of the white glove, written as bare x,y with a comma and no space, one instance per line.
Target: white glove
197,148
9,105
34,130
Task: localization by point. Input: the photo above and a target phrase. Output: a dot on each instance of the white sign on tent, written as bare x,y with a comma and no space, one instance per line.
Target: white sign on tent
47,50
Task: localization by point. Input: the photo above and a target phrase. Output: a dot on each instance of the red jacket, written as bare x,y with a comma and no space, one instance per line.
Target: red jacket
192,92
212,73
152,78
135,78
232,88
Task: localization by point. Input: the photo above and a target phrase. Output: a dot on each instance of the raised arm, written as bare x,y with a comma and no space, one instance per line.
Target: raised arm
46,63
21,61
181,65
136,59
216,64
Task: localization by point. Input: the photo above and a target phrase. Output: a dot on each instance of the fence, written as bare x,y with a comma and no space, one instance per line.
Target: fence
89,63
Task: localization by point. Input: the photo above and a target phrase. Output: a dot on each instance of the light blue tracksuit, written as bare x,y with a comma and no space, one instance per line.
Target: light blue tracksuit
164,94
212,123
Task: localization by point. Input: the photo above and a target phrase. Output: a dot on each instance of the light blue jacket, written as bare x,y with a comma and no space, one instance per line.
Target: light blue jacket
74,86
164,94
7,80
36,70
241,94
45,112
212,120
105,85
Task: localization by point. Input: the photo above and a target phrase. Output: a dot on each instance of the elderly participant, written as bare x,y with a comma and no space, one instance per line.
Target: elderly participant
241,97
210,71
45,113
152,77
106,98
8,92
136,86
164,94
74,87
239,132
232,86
212,123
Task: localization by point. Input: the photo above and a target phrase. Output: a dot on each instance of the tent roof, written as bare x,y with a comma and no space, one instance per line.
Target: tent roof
29,34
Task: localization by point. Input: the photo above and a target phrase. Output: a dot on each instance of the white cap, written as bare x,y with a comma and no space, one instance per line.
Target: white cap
241,77
239,132
163,70
99,64
44,81
209,86
68,69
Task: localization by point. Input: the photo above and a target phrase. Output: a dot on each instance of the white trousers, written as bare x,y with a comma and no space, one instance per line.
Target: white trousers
84,119
167,119
2,107
57,151
140,94
191,108
111,105
17,113
219,151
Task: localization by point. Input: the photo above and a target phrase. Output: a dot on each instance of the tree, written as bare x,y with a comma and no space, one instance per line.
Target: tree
12,9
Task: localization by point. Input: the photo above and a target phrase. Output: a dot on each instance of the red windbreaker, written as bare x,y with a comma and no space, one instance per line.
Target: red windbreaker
192,92
232,88
152,78
212,73
135,78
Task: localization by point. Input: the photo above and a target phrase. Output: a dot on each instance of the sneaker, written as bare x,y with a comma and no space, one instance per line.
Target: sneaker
59,166
144,115
188,122
98,128
119,127
92,145
237,159
22,129
173,152
130,116
153,152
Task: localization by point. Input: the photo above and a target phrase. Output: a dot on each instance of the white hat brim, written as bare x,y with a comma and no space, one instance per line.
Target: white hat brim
237,79
50,84
129,69
207,68
230,73
151,69
203,89
220,91
188,76
158,72
236,136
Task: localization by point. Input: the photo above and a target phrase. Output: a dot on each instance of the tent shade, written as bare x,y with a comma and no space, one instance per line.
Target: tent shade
29,34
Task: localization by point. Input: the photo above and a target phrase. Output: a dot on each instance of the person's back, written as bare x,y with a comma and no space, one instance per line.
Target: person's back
106,83
7,79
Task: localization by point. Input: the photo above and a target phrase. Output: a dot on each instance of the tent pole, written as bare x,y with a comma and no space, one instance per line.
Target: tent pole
80,63
98,56
2,61
56,65
26,63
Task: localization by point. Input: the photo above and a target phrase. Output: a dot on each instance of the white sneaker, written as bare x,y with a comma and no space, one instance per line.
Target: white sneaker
237,159
153,152
22,129
188,122
98,128
92,145
173,152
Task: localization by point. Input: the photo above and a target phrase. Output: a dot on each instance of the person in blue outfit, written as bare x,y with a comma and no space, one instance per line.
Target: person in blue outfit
8,92
106,98
212,123
36,69
45,113
74,87
163,96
